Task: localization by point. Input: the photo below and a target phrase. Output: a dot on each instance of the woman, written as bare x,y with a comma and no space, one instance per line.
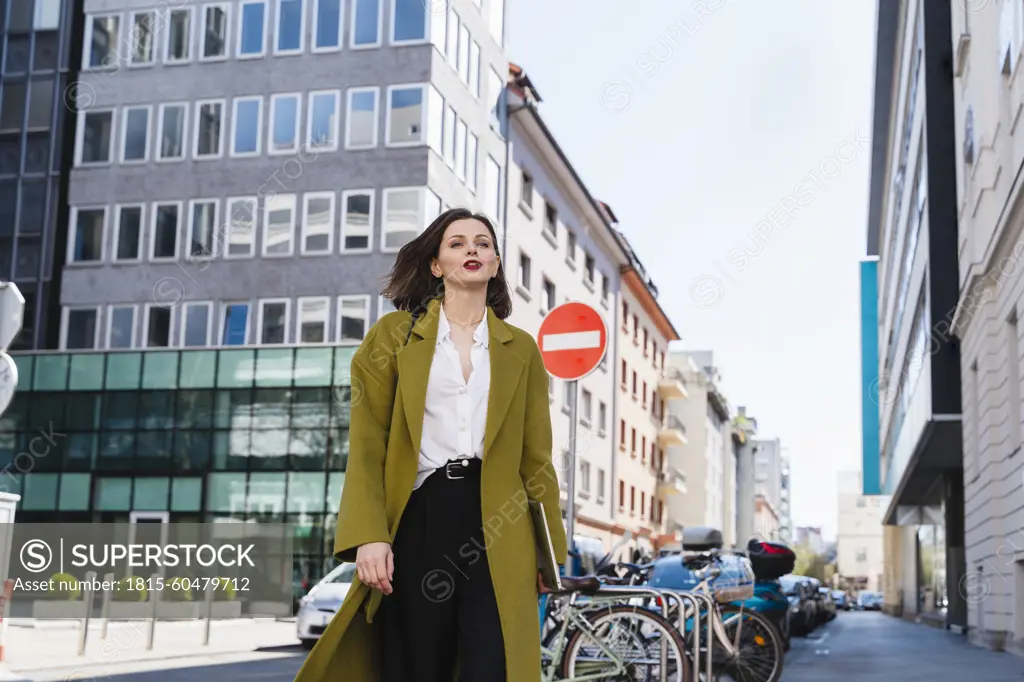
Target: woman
450,436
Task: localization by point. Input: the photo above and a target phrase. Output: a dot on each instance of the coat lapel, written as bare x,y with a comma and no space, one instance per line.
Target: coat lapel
506,368
414,362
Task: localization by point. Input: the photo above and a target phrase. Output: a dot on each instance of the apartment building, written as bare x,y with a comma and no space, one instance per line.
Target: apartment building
704,458
38,63
744,429
912,375
245,171
859,538
988,91
766,520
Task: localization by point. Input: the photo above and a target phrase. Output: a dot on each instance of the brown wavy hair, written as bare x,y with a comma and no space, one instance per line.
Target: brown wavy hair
411,285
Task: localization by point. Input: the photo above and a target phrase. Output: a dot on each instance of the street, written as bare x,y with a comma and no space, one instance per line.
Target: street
854,647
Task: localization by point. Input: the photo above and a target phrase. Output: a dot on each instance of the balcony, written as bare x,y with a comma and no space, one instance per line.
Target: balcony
671,482
671,385
672,432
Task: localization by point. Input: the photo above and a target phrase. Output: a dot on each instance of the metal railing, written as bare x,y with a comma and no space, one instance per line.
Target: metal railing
672,422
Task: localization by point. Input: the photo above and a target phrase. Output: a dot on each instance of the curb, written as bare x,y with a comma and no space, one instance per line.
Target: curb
82,661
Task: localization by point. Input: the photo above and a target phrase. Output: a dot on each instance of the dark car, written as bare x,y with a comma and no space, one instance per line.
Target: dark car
842,603
802,608
828,603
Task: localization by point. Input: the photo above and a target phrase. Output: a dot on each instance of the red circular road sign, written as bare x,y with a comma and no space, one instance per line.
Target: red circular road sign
573,339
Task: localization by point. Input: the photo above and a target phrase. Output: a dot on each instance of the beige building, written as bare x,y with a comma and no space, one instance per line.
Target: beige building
766,520
859,543
988,98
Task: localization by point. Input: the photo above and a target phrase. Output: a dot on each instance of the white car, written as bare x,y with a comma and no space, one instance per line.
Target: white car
318,607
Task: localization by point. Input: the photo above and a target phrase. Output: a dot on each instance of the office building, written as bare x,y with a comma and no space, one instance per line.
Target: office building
911,363
859,538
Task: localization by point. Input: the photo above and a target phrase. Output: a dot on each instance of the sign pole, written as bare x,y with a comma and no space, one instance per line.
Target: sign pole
570,528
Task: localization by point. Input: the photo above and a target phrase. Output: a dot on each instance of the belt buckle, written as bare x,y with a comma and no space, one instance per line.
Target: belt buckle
457,466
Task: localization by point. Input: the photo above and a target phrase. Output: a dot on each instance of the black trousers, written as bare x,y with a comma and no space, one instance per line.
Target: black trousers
443,606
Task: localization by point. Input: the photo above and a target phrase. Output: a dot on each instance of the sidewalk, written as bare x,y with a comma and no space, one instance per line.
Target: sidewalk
40,645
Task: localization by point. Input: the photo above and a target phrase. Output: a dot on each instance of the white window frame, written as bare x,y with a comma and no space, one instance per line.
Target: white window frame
73,235
435,122
225,237
132,39
423,115
190,57
184,323
381,302
144,337
259,126
114,49
426,5
327,319
117,232
65,314
520,271
201,47
316,49
191,227
332,222
451,38
266,225
335,133
365,298
108,325
159,158
474,69
223,309
448,125
352,92
352,27
260,303
80,138
152,232
277,29
462,62
420,208
274,99
239,33
472,161
197,113
148,108
341,212
461,129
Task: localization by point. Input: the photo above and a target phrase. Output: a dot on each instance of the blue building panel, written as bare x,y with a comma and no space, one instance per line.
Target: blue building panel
869,376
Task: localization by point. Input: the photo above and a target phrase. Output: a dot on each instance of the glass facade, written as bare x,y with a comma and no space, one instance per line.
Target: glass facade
36,68
249,434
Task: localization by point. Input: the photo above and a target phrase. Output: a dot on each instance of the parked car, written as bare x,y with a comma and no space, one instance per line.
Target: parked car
828,603
842,603
318,606
802,608
869,601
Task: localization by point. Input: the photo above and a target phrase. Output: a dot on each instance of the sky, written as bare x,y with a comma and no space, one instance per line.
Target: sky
732,140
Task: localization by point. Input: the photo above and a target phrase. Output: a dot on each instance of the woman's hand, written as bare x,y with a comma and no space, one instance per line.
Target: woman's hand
541,587
376,565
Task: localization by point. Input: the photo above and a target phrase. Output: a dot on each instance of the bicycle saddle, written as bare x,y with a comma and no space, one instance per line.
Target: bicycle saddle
588,585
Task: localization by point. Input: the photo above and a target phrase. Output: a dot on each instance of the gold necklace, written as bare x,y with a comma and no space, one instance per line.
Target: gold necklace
466,325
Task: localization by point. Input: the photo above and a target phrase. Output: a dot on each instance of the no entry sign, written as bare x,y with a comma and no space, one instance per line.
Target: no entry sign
573,339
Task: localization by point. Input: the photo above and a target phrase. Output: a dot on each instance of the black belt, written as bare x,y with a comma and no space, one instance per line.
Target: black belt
461,468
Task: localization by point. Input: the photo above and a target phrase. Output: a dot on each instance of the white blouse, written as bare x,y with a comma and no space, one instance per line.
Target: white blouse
456,410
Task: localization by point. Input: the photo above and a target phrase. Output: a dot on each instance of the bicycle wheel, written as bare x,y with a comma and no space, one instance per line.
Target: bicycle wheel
635,636
758,644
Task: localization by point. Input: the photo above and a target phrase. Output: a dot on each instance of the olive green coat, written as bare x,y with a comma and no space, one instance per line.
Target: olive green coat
389,385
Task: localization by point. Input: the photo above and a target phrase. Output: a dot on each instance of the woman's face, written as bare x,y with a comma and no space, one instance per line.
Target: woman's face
466,256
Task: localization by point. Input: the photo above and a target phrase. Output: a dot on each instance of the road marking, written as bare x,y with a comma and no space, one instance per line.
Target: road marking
572,341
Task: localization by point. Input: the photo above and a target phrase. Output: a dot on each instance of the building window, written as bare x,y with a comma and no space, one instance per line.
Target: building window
404,217
234,324
135,134
587,404
248,122
471,161
600,486
327,25
605,288
202,229
408,21
624,374
602,417
209,120
632,500
322,127
95,137
460,149
622,493
622,434
451,50
384,306
252,29
357,220
171,137
366,23
497,19
88,228
361,121
179,36
313,313
635,396
81,328
157,326
164,244
862,556
353,318
102,40
241,219
405,115
584,477
550,219
285,112
526,190
47,15
214,32
492,189
121,326
141,39
463,57
474,69
568,394
128,233
549,295
279,225
318,223
645,396
524,271
273,321
291,17
588,268
197,319
448,137
495,89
